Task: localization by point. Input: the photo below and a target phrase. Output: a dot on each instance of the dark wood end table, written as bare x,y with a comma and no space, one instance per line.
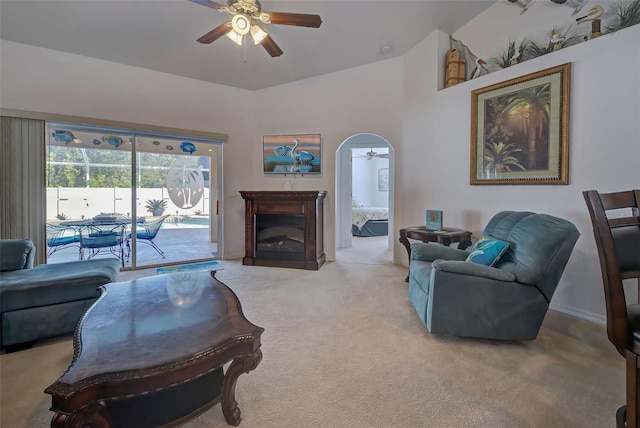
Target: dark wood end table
150,353
447,236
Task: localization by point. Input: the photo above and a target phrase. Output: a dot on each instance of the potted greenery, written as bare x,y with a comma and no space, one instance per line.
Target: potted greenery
627,14
156,206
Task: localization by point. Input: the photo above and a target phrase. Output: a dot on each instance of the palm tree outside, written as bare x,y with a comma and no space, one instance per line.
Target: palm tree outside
156,206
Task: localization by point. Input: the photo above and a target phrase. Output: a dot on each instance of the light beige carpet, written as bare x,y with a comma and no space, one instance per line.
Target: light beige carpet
343,347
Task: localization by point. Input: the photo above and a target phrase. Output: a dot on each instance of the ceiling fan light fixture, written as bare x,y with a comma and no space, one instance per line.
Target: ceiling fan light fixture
258,34
241,24
235,37
246,15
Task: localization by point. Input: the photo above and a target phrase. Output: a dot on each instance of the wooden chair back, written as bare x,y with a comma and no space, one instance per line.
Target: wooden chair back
617,236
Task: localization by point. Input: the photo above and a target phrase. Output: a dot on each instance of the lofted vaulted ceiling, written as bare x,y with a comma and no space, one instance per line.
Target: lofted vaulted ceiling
161,35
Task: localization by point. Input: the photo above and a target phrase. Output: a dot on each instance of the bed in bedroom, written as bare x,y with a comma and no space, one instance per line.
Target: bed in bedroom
369,221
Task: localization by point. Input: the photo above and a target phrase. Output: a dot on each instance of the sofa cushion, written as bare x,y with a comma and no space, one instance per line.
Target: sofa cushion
16,254
487,251
52,284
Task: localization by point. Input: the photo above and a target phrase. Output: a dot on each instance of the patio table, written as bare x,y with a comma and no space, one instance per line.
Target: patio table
101,239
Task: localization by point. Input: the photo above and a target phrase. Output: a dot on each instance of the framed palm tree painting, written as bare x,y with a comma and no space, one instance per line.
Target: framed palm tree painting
520,129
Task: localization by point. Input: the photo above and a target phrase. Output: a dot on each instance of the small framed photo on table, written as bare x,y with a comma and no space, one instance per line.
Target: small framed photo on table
434,220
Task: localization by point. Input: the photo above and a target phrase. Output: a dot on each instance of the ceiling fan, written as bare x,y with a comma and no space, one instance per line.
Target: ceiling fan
370,155
246,16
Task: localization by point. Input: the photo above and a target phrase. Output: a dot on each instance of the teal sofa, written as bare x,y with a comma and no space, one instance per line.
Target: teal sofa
507,301
48,300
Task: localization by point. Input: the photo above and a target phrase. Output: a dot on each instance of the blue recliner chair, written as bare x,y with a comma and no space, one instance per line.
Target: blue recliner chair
506,301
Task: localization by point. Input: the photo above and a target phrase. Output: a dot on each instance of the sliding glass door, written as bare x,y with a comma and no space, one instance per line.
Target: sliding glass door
174,195
148,200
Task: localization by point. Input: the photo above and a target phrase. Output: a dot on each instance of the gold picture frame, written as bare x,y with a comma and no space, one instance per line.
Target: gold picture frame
520,129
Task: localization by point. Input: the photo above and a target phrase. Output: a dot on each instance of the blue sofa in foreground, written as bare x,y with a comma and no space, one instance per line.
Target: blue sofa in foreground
48,300
500,289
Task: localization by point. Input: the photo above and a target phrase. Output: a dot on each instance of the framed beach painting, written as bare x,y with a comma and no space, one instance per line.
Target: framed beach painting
383,179
291,154
520,129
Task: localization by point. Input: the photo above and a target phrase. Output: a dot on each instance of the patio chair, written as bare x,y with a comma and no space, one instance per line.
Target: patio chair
102,237
149,233
59,237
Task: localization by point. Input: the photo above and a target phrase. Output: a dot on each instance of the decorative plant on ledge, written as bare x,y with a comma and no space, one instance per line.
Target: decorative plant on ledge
628,14
624,14
156,206
511,56
558,39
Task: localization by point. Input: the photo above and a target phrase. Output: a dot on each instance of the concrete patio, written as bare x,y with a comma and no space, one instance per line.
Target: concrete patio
181,243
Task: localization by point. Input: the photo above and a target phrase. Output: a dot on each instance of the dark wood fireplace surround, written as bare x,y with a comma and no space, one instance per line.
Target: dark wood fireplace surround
306,204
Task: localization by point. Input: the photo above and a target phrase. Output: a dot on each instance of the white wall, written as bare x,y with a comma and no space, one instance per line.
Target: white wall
361,180
365,179
604,148
42,80
336,105
486,39
80,202
396,99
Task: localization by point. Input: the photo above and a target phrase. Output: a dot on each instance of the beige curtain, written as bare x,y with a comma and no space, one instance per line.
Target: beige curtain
23,186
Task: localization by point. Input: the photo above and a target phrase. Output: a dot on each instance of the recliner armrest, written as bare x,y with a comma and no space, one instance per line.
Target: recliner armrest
473,269
430,252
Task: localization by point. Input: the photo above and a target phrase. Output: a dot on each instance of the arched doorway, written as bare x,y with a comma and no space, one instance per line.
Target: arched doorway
359,143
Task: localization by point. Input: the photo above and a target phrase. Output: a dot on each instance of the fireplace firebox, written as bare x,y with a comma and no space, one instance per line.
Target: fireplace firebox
280,236
284,229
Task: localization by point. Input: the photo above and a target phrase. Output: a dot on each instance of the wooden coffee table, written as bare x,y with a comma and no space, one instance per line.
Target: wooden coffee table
150,352
447,236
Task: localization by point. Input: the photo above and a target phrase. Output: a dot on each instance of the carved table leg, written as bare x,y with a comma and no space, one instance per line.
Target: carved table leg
93,416
404,241
239,365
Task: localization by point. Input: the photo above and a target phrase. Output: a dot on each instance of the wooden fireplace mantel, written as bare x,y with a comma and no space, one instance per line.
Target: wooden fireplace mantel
307,204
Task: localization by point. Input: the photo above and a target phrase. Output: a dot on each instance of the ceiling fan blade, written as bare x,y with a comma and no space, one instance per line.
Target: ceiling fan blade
208,3
216,33
299,19
271,46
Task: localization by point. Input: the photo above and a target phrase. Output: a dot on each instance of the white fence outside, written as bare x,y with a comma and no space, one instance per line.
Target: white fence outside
77,203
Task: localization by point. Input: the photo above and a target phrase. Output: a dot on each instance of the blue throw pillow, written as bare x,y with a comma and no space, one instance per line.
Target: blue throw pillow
487,251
